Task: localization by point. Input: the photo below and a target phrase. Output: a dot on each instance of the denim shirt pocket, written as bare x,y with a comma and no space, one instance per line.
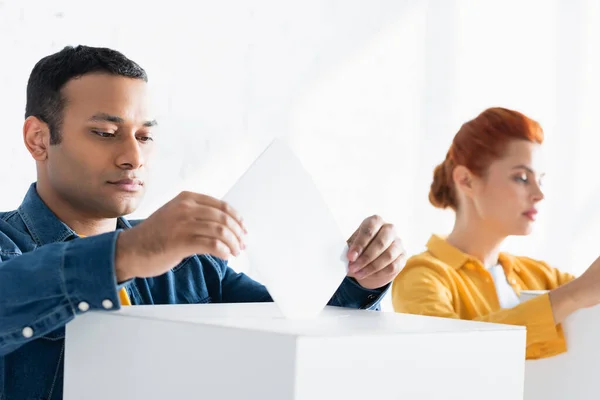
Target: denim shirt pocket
189,283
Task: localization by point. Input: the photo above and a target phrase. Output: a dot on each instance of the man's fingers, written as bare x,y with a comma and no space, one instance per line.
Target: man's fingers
204,200
210,214
215,230
385,275
363,236
377,246
214,225
212,246
386,258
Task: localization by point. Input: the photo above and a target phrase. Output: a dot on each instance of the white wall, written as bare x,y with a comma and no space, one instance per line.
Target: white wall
370,92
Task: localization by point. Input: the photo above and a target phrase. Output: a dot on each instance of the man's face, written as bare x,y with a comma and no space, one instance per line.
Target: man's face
100,165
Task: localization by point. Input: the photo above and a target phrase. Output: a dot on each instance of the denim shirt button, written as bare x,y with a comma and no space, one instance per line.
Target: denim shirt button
83,306
371,297
107,304
27,332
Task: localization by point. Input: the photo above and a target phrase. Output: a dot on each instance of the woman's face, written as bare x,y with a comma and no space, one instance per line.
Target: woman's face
505,198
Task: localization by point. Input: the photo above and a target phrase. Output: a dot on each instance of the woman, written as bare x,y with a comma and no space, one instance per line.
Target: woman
490,178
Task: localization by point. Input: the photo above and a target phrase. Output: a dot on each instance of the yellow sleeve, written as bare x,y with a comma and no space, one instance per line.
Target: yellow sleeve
553,277
561,277
422,290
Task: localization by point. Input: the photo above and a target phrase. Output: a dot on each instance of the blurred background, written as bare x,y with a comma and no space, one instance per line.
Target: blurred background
370,94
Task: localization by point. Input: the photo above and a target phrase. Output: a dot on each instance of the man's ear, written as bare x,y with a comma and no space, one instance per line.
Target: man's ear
36,135
463,180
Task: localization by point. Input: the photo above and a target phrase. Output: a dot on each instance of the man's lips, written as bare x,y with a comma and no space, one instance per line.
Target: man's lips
128,185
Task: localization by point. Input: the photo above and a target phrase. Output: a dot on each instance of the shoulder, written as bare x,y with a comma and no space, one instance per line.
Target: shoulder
12,232
427,259
424,265
525,262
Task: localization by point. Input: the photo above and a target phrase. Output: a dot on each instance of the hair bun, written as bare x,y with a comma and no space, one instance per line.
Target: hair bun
441,194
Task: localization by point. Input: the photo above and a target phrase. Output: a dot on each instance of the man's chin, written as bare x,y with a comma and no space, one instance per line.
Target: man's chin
119,209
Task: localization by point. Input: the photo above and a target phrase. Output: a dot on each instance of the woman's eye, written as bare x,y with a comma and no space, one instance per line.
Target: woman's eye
522,178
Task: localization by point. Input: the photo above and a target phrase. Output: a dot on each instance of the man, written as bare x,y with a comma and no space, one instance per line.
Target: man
67,249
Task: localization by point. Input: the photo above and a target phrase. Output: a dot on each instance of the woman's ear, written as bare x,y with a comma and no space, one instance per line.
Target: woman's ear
463,180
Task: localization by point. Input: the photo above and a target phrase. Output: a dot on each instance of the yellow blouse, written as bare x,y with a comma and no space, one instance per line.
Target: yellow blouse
445,282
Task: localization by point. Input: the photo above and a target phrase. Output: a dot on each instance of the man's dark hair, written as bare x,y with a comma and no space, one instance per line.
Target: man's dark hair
44,97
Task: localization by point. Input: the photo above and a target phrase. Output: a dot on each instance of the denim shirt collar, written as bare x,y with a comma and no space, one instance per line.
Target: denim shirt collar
44,225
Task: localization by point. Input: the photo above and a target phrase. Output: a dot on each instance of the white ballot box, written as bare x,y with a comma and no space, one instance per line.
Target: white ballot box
574,374
250,351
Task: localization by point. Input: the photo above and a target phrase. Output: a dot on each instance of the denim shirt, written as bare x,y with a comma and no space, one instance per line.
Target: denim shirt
49,275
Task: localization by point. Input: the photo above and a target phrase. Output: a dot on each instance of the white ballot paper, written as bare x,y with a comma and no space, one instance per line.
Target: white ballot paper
293,241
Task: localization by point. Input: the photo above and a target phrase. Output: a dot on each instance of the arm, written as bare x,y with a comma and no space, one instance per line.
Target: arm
208,226
351,295
240,288
421,290
44,289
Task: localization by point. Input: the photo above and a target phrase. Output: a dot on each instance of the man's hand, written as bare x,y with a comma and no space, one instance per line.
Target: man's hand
189,224
376,254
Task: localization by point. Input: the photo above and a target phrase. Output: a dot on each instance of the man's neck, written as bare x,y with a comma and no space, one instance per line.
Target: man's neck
89,227
78,221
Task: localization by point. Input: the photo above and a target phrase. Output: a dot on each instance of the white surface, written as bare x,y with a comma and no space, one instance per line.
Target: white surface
574,374
530,294
249,351
370,92
333,321
294,246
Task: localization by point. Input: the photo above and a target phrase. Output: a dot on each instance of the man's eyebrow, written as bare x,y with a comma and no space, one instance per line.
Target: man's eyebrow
104,117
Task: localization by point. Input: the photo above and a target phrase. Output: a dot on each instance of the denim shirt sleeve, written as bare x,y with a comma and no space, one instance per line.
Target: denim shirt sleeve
44,289
239,287
351,295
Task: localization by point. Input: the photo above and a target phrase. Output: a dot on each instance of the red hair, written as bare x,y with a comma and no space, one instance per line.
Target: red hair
477,144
